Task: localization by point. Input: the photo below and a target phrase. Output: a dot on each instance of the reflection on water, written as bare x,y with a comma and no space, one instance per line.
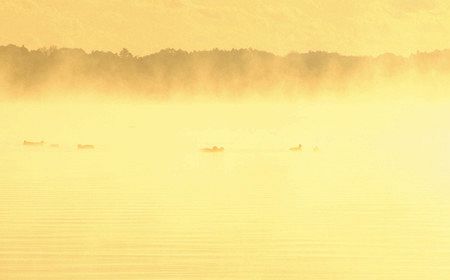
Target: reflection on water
146,203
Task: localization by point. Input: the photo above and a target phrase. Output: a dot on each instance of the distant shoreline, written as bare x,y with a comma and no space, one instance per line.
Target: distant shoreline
231,73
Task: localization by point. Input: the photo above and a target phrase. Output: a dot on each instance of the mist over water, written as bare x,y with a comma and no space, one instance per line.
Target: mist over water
232,140
147,204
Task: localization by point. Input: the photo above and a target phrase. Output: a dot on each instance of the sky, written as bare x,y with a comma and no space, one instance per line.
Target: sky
362,27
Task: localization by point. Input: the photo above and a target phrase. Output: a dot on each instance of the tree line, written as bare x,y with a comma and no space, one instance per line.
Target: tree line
215,72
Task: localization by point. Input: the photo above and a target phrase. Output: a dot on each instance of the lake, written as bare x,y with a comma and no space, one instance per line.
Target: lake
372,203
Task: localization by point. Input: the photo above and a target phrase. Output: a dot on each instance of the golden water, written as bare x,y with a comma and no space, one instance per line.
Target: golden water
146,204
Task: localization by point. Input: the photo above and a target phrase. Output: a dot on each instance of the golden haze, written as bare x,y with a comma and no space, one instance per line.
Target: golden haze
107,162
362,27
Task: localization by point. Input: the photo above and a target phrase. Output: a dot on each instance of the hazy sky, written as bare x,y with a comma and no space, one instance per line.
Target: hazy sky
143,26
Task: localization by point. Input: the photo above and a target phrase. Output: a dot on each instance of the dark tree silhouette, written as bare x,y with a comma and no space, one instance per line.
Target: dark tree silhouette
218,72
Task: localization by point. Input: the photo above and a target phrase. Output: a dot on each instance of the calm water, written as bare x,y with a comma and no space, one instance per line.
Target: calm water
146,204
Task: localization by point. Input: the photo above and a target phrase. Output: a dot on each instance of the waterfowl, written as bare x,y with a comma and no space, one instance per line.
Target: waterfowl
296,149
31,143
214,149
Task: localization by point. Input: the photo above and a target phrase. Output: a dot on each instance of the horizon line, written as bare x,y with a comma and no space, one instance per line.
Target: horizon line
55,47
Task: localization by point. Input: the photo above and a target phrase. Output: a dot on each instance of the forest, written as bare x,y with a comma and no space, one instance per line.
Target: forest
218,72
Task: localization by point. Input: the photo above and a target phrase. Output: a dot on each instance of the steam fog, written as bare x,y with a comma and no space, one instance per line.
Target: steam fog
144,202
216,74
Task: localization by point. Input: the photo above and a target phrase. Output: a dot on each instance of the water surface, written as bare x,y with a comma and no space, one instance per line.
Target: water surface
147,204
